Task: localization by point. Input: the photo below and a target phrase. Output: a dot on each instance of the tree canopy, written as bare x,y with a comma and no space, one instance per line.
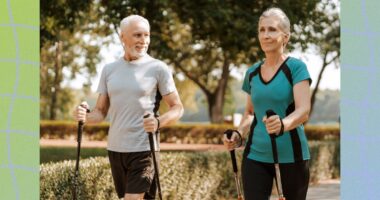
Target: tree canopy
201,40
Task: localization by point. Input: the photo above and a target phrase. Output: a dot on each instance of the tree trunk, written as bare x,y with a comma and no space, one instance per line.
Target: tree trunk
216,99
215,107
315,91
324,65
56,87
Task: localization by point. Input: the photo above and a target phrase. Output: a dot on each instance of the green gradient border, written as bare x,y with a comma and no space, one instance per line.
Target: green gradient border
19,99
360,97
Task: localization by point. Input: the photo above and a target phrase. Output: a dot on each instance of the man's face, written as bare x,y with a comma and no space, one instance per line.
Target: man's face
136,39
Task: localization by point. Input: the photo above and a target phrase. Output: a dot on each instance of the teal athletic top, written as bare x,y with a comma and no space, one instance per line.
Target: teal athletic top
276,94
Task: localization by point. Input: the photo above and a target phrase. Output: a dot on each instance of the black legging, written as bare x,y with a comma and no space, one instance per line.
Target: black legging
258,179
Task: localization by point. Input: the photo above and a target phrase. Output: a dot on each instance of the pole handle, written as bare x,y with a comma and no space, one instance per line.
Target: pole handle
232,152
80,127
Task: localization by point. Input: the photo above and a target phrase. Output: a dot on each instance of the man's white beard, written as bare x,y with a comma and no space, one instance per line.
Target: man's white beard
136,54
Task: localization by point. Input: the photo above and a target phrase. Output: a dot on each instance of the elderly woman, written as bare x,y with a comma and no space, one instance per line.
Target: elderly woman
279,83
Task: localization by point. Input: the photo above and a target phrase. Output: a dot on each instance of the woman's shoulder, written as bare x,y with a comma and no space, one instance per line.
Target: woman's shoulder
295,65
254,67
293,62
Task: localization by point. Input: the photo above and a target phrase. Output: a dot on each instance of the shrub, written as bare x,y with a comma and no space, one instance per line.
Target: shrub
68,129
182,176
180,133
199,175
94,182
325,160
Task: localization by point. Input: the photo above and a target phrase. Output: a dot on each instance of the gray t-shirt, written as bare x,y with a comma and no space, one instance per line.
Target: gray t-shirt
132,88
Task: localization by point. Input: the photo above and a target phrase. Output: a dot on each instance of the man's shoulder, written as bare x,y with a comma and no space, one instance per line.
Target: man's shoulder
116,62
109,67
158,64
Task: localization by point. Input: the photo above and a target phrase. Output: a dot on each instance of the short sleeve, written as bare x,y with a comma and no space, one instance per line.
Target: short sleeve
165,80
102,86
246,85
300,73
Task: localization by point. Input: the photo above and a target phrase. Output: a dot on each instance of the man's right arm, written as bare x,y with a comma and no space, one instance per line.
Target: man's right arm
98,114
100,111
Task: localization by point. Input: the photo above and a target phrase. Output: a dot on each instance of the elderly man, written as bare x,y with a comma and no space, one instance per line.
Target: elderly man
130,88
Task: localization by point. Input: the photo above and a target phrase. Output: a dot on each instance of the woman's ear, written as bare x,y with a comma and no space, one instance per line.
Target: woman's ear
286,39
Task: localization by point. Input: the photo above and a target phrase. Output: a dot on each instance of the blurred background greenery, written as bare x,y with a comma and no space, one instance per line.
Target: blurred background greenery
208,44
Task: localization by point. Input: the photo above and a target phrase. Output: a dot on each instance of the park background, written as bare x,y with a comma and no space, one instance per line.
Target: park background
360,31
208,45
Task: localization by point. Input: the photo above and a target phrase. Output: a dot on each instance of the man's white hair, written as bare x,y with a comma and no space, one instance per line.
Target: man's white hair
126,21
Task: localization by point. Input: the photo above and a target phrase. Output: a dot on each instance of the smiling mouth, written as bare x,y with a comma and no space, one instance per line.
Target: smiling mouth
141,47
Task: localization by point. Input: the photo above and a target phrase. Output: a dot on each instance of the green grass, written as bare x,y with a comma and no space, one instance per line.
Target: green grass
56,154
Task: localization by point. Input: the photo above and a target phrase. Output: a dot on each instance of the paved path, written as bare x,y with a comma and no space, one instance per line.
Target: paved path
325,190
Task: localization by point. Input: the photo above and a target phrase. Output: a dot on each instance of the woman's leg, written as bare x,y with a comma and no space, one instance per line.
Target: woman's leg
295,180
257,179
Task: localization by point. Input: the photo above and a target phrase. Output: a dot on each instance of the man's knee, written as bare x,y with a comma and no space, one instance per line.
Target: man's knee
128,196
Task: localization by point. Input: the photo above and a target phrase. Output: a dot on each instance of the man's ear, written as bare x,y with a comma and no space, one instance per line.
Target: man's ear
121,36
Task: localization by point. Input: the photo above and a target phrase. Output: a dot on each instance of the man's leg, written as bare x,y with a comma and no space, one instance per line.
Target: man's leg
140,176
134,196
118,172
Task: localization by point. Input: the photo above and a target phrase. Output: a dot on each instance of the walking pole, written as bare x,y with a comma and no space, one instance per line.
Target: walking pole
79,140
275,158
234,166
152,150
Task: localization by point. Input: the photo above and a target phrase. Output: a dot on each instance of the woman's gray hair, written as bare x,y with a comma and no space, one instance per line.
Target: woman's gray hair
277,12
126,21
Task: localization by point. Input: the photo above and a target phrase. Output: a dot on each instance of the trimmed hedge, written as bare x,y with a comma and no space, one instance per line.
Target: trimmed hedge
68,129
182,176
180,133
325,160
200,175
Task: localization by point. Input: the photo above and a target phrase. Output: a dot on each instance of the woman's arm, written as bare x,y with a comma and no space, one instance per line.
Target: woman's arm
243,128
301,93
247,118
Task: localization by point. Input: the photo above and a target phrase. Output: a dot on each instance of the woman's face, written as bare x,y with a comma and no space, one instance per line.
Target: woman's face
271,37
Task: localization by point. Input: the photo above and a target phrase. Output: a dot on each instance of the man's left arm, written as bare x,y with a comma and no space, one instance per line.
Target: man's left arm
172,115
175,109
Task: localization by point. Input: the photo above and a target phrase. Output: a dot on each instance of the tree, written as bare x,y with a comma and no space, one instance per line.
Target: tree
325,38
204,40
64,24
